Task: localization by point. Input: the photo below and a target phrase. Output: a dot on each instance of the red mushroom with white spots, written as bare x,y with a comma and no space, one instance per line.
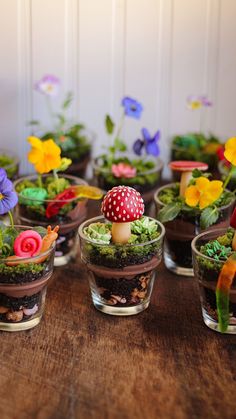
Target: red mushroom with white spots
186,168
122,205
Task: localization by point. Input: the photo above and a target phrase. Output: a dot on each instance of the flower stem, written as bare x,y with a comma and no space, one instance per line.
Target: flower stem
49,106
40,181
228,177
56,179
11,219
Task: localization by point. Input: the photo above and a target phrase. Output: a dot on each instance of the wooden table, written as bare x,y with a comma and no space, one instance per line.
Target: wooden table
80,363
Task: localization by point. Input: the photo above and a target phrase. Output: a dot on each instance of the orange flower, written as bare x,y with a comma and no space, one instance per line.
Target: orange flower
230,150
203,193
45,155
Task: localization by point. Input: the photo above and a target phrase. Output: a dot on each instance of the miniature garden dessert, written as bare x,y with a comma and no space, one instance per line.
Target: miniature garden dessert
26,264
117,167
54,199
188,208
121,252
73,138
214,257
197,146
10,162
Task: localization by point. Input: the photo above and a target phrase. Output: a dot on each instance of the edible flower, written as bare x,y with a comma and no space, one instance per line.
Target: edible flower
123,170
148,142
132,107
8,197
45,155
203,193
196,102
48,85
230,150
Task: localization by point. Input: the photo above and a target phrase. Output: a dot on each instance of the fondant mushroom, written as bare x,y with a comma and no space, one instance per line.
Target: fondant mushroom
186,168
121,205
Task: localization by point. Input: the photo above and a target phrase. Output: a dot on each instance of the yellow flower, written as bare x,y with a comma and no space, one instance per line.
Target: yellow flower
230,150
195,104
203,193
45,155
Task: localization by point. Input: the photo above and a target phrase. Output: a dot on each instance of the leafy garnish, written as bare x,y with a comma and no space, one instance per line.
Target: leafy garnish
208,217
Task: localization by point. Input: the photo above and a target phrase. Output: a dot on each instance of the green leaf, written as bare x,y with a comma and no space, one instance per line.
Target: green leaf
61,118
119,145
208,217
67,100
33,122
109,124
169,212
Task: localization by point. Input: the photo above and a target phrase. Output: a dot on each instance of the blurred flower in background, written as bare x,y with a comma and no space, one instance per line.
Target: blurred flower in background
48,85
148,143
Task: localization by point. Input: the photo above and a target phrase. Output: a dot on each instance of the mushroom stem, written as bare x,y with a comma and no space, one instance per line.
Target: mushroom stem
120,232
184,181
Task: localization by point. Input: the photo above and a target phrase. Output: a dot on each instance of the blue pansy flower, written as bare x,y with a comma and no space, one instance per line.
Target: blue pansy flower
8,197
149,143
132,107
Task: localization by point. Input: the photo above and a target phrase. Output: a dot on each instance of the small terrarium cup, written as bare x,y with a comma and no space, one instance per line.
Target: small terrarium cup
218,302
39,211
10,162
23,285
145,181
121,274
184,226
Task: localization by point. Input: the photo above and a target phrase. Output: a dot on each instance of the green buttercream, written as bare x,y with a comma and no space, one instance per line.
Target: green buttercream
35,196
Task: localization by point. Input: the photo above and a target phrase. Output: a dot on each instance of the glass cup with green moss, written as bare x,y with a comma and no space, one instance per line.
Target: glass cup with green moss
23,280
211,250
183,223
121,276
10,162
47,200
142,174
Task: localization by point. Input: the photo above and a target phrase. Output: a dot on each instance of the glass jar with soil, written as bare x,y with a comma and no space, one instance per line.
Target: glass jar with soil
50,207
211,250
144,174
186,225
24,280
121,276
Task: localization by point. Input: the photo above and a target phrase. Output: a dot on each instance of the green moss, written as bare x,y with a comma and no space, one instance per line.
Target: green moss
219,249
22,268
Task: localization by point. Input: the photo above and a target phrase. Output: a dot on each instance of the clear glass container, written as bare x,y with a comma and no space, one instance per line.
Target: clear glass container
144,182
181,231
206,271
68,222
23,289
121,277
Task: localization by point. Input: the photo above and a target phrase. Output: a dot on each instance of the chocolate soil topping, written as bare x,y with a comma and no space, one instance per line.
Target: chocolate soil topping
128,272
182,230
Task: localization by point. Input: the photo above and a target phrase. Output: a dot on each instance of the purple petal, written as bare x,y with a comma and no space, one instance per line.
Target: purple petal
5,186
8,202
152,148
137,147
146,135
132,107
3,173
157,136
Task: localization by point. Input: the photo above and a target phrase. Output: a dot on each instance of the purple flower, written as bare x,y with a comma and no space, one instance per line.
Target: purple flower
196,102
132,107
48,85
205,101
8,197
148,142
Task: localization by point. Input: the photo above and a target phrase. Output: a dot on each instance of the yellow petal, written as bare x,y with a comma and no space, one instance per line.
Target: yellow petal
205,200
192,196
215,189
202,183
35,142
230,150
35,155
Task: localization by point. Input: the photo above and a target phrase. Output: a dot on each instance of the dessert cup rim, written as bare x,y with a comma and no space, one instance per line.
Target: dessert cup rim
159,164
218,232
157,201
34,176
101,217
32,258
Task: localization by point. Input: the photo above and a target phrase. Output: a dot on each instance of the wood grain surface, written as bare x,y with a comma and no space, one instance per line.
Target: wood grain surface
79,363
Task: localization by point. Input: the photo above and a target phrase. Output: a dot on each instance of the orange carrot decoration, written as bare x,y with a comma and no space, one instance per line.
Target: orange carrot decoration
225,280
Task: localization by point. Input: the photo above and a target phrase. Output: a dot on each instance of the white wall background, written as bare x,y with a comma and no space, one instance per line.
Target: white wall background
158,51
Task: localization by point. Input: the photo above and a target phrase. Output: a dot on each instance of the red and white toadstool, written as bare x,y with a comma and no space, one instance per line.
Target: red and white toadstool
186,167
121,205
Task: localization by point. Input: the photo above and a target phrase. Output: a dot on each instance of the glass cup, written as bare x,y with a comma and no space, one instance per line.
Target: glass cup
10,162
121,277
206,271
181,231
144,182
66,244
23,289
